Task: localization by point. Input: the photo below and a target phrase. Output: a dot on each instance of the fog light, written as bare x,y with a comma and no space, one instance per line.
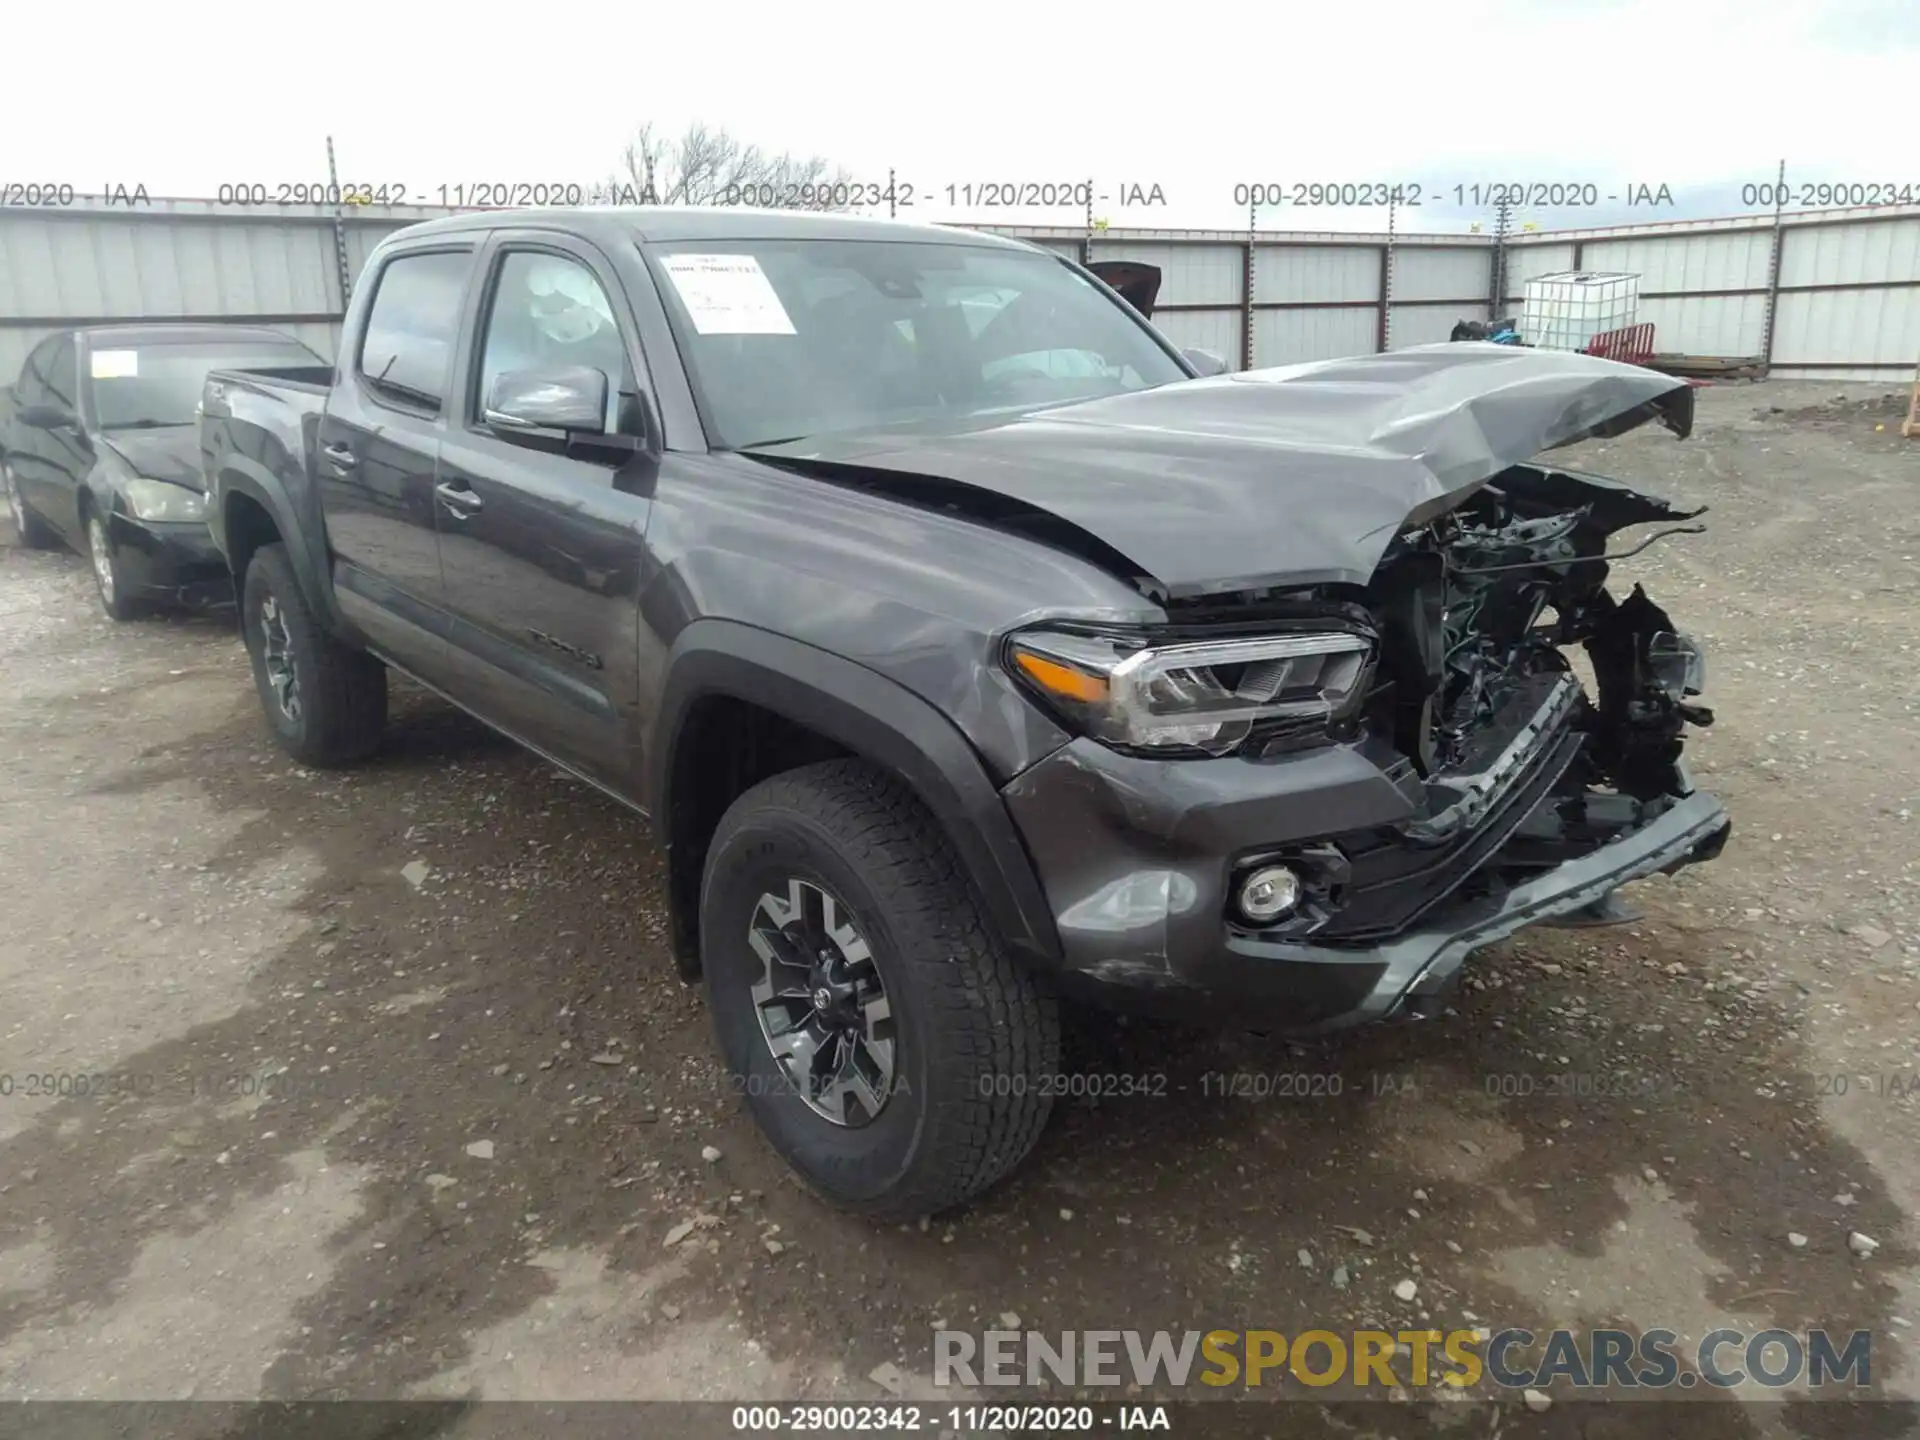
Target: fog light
1269,893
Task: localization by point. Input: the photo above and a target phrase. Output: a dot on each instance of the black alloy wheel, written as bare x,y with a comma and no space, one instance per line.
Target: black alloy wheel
821,1003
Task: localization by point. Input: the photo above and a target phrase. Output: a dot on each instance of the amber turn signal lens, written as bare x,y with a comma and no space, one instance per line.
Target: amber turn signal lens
1061,680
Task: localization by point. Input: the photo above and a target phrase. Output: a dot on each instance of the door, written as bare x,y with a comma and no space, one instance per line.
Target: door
542,532
375,453
53,459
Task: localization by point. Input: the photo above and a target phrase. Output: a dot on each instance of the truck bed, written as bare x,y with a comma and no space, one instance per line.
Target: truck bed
262,422
299,379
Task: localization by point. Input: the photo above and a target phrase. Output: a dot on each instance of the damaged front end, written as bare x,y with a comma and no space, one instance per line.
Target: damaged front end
1376,706
1509,753
1484,614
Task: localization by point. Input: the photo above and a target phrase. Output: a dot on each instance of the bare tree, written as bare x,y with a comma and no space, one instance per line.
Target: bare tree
705,166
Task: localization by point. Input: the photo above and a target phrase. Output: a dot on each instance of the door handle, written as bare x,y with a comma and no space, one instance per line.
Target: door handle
460,502
340,457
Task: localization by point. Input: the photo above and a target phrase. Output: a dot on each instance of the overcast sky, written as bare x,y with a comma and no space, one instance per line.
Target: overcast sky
1698,95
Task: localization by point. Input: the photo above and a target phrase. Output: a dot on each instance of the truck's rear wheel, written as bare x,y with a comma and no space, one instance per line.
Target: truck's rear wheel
327,702
887,1045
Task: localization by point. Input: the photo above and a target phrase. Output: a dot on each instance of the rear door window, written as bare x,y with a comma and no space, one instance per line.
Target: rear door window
407,351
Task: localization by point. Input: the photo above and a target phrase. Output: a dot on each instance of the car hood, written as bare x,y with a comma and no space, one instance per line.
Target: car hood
1293,476
172,454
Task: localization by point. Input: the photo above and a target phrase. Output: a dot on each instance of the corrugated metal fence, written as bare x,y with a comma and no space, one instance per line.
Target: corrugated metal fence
180,260
1831,294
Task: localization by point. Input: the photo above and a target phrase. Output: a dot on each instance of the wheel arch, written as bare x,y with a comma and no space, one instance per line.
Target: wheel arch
820,705
255,510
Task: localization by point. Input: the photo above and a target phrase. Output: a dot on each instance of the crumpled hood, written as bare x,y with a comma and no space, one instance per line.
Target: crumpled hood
172,454
1299,475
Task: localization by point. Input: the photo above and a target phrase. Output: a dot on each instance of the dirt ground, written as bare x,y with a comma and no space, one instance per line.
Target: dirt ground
380,1131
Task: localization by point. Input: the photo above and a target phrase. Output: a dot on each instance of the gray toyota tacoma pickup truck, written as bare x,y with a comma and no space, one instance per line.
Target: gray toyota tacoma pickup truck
967,647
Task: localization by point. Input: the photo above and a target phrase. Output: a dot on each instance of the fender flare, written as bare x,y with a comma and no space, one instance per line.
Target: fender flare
873,717
241,476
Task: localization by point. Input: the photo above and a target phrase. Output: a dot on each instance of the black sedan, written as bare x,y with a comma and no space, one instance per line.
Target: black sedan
99,450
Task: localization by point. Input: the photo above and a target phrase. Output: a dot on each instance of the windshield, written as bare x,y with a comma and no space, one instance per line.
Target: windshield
790,338
147,385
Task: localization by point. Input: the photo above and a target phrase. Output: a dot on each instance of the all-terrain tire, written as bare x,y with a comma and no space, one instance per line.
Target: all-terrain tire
975,1037
339,692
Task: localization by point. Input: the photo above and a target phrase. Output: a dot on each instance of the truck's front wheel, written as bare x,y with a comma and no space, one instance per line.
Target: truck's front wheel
886,1043
327,702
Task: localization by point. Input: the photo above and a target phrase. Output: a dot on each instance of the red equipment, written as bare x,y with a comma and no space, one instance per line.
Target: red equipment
1633,345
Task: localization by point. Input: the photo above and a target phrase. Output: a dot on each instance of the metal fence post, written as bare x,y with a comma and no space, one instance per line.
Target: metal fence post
1383,331
1246,305
1246,288
1773,267
1502,221
339,232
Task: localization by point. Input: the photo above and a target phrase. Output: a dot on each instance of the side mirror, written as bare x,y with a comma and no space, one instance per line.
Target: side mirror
47,417
1205,361
571,398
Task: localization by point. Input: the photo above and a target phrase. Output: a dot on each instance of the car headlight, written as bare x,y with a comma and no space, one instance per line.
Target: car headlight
157,500
1204,696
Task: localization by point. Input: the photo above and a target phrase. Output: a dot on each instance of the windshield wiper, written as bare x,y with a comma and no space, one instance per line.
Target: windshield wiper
145,422
764,444
400,391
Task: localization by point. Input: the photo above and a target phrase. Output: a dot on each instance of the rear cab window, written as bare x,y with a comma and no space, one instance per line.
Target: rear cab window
407,348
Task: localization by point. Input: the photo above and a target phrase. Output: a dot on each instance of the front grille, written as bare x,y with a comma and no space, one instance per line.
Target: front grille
1394,879
1497,756
1392,885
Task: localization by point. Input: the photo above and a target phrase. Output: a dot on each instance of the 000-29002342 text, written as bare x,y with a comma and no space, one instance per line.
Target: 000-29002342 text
460,195
966,1419
175,1086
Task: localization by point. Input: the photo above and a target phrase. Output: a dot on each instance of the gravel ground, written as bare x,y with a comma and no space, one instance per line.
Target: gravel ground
405,1101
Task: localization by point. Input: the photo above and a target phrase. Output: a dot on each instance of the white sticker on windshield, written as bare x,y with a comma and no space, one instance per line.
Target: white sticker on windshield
728,295
114,364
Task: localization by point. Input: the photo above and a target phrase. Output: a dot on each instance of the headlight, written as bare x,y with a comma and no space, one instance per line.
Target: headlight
1205,696
157,500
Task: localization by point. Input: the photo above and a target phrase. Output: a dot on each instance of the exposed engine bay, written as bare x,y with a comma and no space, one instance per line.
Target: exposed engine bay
1517,768
1478,605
